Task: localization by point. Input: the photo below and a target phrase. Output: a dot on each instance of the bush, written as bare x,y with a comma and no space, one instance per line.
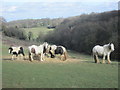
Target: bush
15,32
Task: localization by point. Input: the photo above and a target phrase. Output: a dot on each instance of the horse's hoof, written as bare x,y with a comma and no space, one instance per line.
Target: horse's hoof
41,60
109,62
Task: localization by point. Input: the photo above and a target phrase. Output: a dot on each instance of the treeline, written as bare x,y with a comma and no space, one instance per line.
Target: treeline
30,23
16,28
12,31
15,32
83,32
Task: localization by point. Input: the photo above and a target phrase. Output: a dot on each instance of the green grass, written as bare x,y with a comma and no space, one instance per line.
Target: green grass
74,54
59,75
80,74
5,50
36,31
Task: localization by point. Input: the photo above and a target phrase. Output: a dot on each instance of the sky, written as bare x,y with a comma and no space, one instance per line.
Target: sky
37,9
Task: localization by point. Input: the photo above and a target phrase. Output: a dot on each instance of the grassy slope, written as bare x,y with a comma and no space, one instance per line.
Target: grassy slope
37,30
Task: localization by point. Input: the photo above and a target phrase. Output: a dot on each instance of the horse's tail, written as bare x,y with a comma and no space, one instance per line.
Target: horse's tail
65,55
29,54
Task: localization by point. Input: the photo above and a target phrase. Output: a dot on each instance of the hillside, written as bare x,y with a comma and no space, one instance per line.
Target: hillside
30,23
79,33
83,32
37,31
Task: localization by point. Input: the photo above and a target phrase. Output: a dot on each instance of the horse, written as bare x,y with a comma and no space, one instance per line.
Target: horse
58,50
15,51
103,51
46,48
38,50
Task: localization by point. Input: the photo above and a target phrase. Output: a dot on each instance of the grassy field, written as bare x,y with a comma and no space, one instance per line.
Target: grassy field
78,71
36,31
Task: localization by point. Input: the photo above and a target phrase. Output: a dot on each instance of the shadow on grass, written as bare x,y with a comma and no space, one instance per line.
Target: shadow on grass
25,59
89,61
10,59
6,59
113,62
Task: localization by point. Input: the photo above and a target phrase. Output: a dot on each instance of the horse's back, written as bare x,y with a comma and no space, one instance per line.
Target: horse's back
32,46
16,49
64,49
53,47
98,50
37,49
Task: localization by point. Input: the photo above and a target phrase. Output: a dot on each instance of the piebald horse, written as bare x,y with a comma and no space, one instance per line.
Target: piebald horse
58,50
38,50
16,51
103,51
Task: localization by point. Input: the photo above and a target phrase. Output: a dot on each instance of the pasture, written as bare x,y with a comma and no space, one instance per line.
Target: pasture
37,30
78,71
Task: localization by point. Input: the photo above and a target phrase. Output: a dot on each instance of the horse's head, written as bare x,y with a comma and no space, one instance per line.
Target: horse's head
111,46
46,47
45,44
10,50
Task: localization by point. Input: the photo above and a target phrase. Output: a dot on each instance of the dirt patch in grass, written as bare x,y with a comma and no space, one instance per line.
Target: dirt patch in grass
47,60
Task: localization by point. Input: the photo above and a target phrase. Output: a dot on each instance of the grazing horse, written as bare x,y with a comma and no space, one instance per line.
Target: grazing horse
103,51
58,50
15,51
38,50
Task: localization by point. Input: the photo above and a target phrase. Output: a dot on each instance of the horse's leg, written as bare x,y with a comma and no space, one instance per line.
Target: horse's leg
108,58
64,57
60,57
97,59
41,57
17,56
23,56
103,59
31,57
12,57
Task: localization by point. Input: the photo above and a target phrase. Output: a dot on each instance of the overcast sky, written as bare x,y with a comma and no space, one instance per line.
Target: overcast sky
36,9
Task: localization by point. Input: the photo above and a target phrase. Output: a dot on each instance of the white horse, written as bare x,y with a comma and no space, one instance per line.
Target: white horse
103,51
58,50
38,50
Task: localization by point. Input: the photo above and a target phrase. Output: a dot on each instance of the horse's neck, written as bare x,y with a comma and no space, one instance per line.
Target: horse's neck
106,48
39,49
41,46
